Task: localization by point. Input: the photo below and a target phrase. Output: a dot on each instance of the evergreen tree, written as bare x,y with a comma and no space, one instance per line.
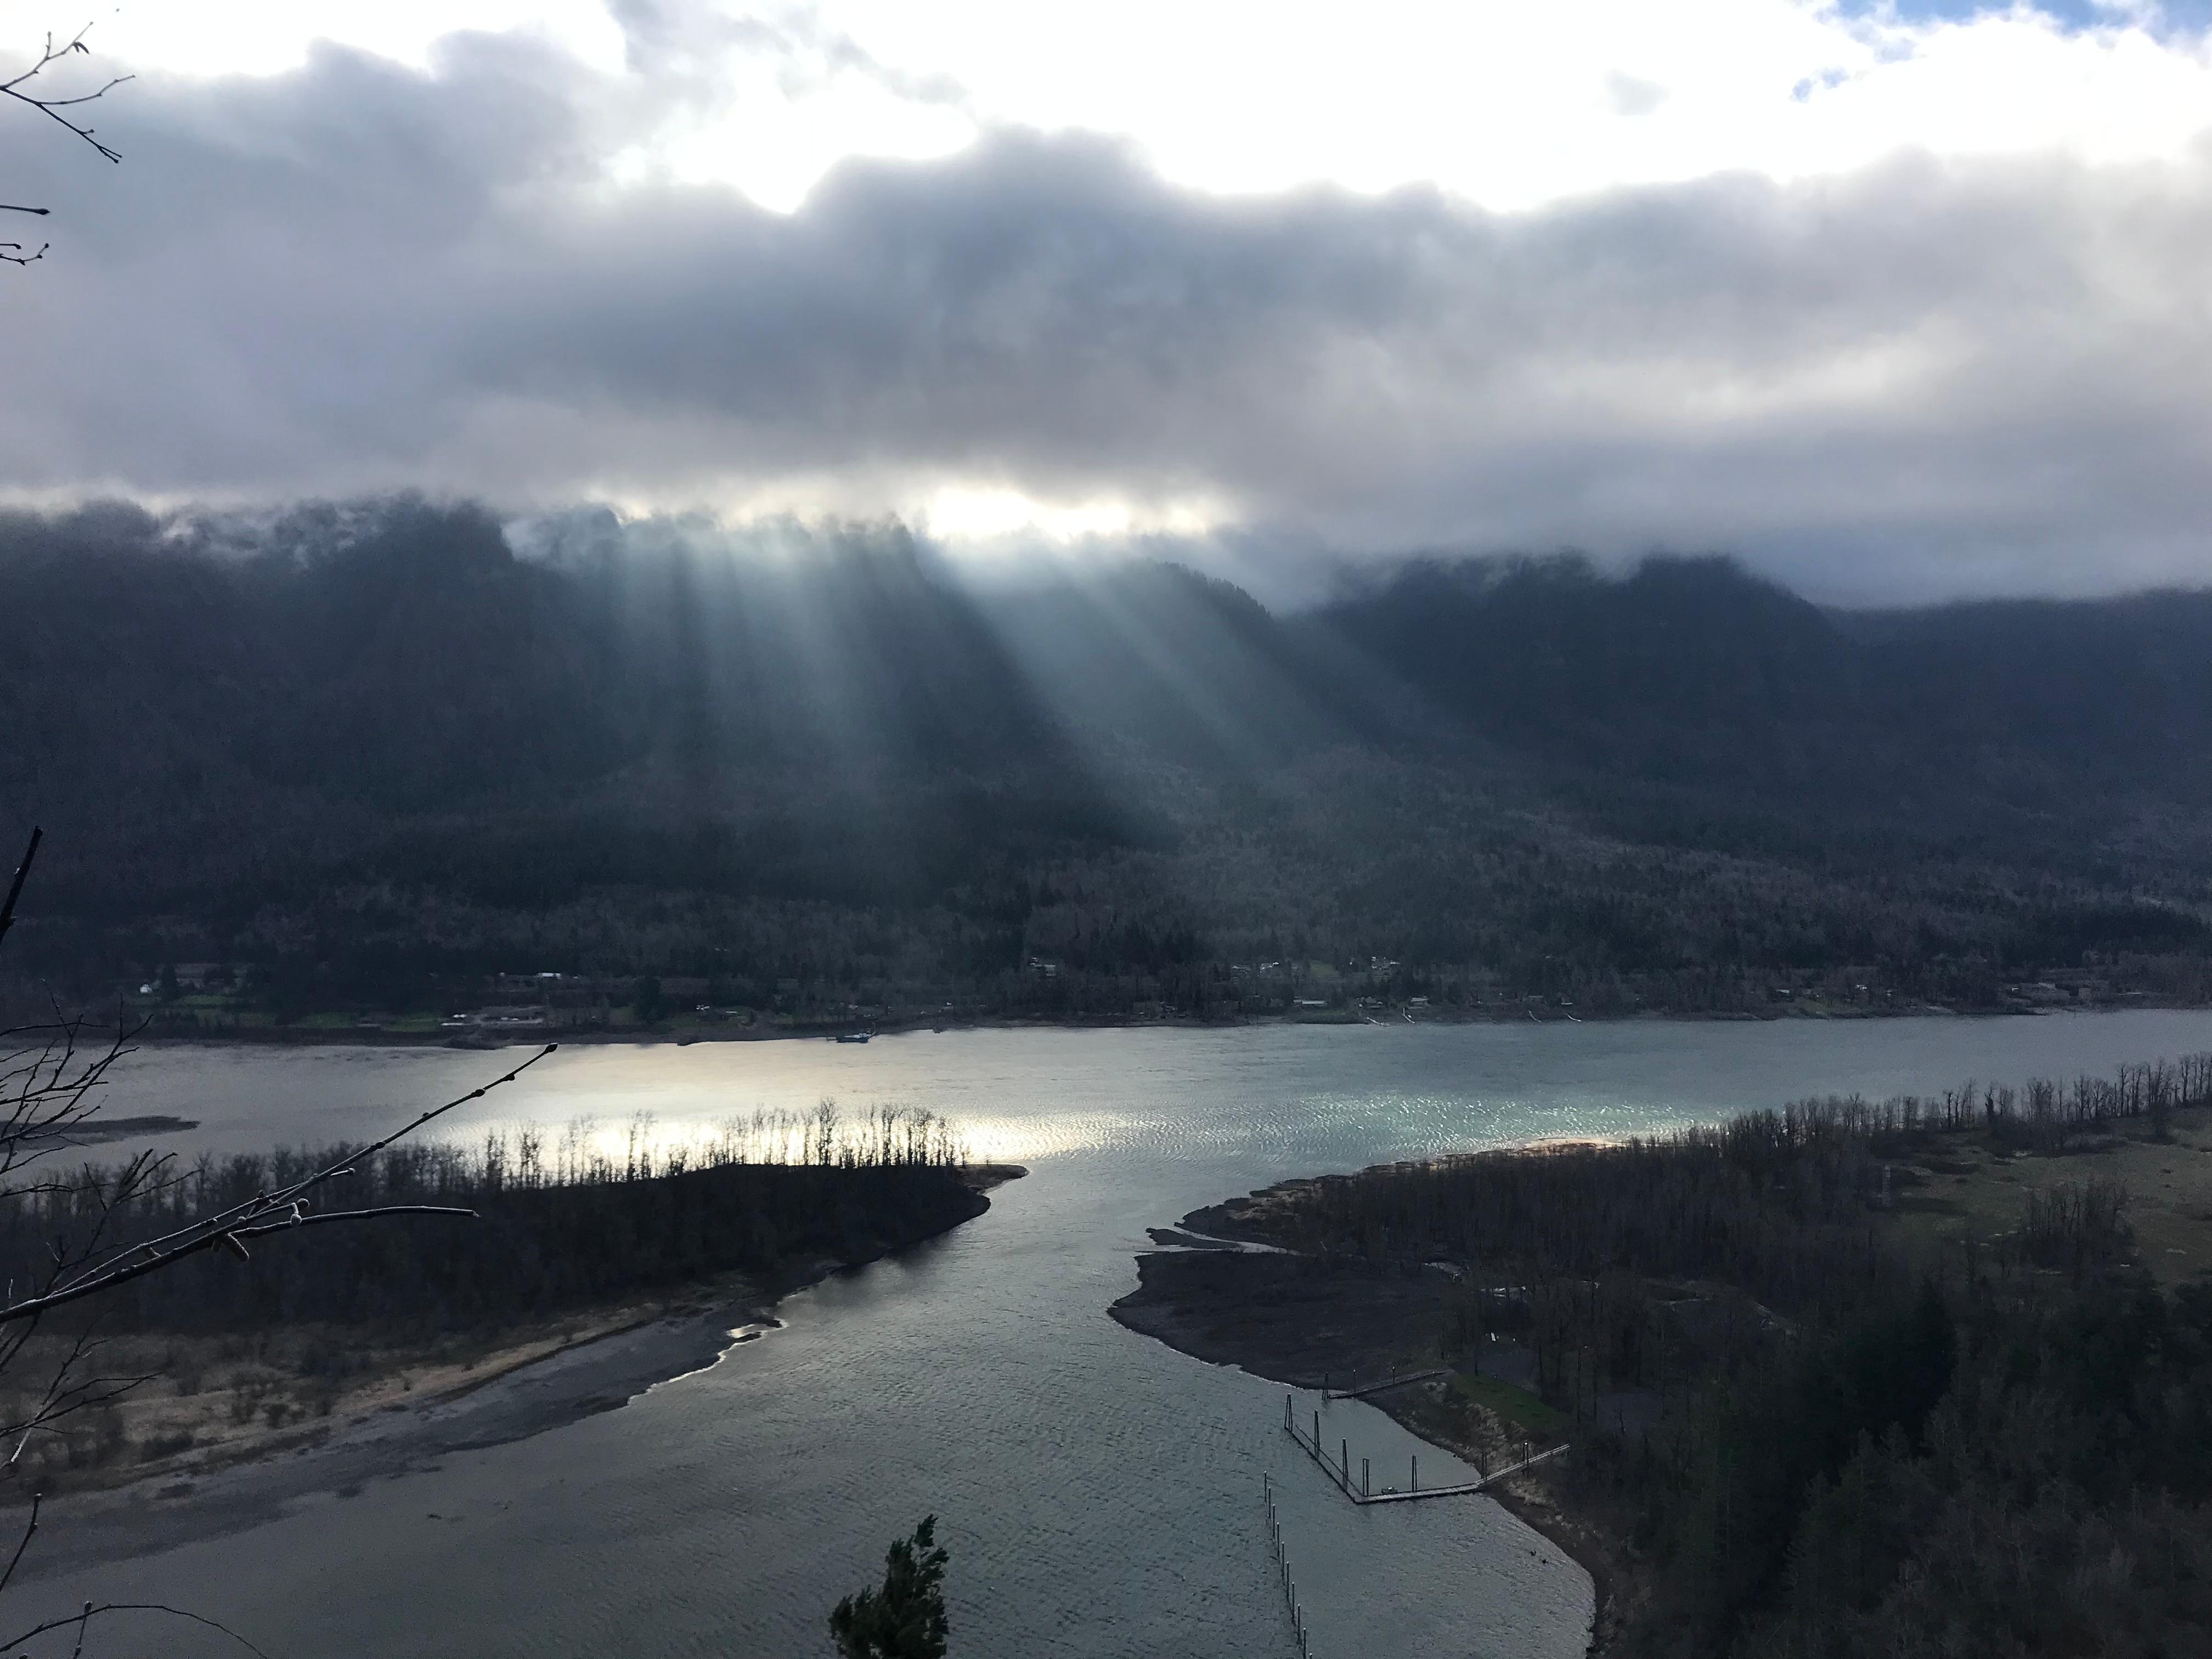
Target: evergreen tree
905,1620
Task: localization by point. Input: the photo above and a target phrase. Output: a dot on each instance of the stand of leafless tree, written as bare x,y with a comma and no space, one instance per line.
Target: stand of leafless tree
51,1082
1808,1443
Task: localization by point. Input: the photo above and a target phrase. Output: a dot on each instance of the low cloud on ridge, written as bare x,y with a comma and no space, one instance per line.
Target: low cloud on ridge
1922,376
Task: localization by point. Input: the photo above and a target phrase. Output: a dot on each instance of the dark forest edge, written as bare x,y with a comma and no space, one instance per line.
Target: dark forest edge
1919,1377
366,761
573,1236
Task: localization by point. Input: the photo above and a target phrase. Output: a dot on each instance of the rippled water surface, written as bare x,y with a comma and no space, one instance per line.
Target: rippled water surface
1100,1494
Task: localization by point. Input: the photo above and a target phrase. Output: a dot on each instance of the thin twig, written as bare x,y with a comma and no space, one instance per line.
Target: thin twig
328,1216
52,107
24,1542
38,834
92,1612
249,1219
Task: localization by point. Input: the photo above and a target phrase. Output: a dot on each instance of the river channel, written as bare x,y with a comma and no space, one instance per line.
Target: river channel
1100,1494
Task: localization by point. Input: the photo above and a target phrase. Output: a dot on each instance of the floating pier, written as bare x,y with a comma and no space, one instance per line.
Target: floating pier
1381,1387
1340,1472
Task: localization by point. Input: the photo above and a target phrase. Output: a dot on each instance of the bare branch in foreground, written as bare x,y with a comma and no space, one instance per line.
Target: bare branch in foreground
30,1530
267,1212
93,1611
53,108
38,834
328,1216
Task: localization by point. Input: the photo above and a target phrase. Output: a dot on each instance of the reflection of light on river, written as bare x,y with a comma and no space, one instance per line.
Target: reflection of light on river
1024,1139
985,1135
1101,1493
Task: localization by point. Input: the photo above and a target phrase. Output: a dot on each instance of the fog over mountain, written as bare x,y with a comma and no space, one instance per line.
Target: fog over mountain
1882,344
899,503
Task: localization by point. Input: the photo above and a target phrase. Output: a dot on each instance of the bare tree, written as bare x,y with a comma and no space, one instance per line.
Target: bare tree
36,89
50,1079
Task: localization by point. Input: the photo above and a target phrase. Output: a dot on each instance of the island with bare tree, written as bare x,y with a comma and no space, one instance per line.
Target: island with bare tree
165,1320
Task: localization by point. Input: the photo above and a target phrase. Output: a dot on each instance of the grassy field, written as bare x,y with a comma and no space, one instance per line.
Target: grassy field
1964,1186
1515,1405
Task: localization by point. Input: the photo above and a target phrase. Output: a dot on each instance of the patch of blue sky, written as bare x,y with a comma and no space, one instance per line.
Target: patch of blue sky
2158,16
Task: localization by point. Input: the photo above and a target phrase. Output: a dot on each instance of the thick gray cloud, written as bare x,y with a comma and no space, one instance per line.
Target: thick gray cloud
1925,376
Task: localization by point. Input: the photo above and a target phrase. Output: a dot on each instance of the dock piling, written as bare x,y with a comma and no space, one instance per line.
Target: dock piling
1283,1567
1385,1386
1364,1493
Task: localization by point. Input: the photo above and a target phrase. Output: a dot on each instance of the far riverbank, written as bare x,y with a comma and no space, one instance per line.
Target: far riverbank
340,1034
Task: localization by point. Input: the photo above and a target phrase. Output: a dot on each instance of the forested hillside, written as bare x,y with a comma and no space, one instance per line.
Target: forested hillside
363,756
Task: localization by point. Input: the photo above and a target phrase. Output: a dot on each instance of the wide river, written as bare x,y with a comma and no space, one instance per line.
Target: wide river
1100,1494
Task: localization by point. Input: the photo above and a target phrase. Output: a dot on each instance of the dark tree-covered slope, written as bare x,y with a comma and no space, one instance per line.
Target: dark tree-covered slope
368,750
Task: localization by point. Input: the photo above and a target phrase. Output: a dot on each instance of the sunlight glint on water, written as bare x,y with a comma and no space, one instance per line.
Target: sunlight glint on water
1101,1494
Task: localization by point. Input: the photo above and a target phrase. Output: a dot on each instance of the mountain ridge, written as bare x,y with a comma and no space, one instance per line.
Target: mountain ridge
370,750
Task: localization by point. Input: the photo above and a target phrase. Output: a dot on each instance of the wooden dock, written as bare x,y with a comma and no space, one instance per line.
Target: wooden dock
1340,1472
1383,1388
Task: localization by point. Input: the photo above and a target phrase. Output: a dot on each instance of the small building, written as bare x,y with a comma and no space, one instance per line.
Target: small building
510,1017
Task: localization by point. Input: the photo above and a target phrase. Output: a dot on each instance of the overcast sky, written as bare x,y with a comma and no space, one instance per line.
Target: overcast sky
1892,302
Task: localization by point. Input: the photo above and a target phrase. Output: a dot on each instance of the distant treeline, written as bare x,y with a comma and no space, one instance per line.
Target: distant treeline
2004,1452
558,1224
370,752
1775,1201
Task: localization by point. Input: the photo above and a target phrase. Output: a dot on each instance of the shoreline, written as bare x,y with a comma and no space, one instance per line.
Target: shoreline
513,1390
1305,1322
1322,1319
367,1037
